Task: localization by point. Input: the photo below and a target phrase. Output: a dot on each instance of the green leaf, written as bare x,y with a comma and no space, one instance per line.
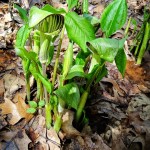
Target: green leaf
45,82
114,17
70,94
120,58
32,104
75,71
95,61
79,29
68,58
93,20
106,48
36,15
72,3
22,36
53,10
22,13
31,110
23,53
41,103
101,74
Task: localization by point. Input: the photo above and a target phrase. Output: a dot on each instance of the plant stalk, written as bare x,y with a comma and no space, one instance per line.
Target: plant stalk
85,94
144,43
48,115
57,57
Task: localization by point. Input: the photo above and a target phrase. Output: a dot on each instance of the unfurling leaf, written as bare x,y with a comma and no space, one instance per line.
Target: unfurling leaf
114,17
68,58
70,94
106,48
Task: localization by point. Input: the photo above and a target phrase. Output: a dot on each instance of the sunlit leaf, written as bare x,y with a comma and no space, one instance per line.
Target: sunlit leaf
31,110
70,94
114,17
68,58
22,36
22,13
75,71
106,48
72,3
32,104
41,103
47,84
79,29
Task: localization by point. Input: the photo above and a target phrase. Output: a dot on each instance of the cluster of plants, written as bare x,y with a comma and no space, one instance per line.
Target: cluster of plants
141,42
63,89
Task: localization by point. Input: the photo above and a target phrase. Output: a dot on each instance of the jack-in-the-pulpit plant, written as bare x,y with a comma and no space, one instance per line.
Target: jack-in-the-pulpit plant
41,29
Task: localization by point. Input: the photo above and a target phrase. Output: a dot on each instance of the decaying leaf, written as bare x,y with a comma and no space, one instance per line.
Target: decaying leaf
18,109
67,126
22,140
12,85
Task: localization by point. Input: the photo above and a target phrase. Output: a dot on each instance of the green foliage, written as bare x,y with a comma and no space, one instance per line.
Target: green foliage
70,94
79,29
114,17
32,104
46,24
31,110
72,3
22,13
22,36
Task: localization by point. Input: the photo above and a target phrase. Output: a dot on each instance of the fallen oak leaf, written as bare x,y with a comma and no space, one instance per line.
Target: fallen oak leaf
18,110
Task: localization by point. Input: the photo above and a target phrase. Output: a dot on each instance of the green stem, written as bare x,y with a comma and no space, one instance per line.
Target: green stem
48,115
28,88
57,57
83,100
58,123
85,94
128,25
144,43
85,6
45,91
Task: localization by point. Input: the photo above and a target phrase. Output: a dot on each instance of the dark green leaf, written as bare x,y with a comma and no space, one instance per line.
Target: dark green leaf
120,58
114,17
72,3
79,29
31,110
22,13
75,71
70,94
32,104
106,48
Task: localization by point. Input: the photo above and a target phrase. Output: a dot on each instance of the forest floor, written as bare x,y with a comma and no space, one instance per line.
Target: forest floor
118,108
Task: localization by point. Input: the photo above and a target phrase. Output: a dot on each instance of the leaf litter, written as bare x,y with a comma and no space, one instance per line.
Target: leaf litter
118,111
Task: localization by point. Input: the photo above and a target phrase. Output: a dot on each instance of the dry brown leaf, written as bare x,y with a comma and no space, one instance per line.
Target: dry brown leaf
18,110
67,126
12,85
54,141
117,143
22,140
